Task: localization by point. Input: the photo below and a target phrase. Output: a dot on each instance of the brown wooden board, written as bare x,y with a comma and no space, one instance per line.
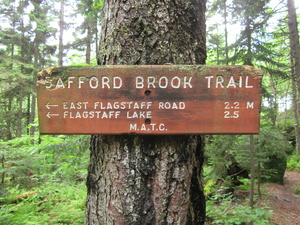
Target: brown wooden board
164,100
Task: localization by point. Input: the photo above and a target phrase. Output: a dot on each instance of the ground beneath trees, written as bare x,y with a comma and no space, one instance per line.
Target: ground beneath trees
283,200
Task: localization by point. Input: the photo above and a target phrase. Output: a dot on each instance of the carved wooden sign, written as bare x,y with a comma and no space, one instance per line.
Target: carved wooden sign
164,100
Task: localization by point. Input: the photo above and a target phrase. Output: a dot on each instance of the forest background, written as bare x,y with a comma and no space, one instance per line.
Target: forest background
42,178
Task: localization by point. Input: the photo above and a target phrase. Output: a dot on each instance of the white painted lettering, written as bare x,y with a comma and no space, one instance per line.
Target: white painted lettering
151,81
96,104
136,105
143,104
175,82
65,105
167,105
122,105
247,83
160,105
105,82
231,82
187,82
241,82
109,106
209,80
65,114
80,81
219,81
171,105
75,105
59,84
72,105
117,114
149,104
48,82
161,127
117,82
163,82
139,82
143,127
149,127
94,82
104,115
250,105
70,81
139,115
181,105
78,115
133,126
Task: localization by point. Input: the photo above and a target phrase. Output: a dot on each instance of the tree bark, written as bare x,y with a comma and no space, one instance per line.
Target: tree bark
8,118
226,32
295,52
88,40
61,32
296,113
147,179
32,114
20,112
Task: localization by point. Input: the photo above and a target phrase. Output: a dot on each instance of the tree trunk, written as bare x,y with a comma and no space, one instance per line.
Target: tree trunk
147,179
88,40
20,112
295,112
96,34
37,58
8,118
252,166
248,57
61,33
295,48
32,114
226,32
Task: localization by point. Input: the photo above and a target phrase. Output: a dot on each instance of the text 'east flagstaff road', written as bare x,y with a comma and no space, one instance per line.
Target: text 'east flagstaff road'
149,100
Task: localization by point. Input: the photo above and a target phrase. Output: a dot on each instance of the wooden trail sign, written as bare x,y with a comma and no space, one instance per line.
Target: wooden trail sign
164,100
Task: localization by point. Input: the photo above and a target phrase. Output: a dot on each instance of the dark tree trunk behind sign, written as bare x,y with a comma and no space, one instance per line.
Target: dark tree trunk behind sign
148,179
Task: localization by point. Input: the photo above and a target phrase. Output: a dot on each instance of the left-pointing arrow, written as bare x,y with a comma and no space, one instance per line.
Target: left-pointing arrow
48,105
49,115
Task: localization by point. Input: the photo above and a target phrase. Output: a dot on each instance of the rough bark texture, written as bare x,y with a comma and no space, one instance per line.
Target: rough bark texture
153,32
295,55
148,179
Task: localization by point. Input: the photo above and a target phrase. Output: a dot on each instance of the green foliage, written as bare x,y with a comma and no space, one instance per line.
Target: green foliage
62,157
297,190
218,155
228,157
76,60
90,8
269,142
229,212
209,186
43,179
293,162
245,183
51,203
